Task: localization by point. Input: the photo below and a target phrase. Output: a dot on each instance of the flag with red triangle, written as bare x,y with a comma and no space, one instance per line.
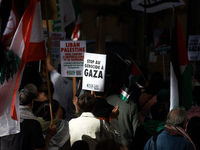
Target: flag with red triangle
27,39
76,35
180,73
136,74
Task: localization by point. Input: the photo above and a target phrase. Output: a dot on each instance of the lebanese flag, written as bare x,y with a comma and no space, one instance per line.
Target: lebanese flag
180,73
76,35
27,38
11,27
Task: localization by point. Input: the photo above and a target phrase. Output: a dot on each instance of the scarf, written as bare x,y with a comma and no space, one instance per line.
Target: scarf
153,127
174,131
26,113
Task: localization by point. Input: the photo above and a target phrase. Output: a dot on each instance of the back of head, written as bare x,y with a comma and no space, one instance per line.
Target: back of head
155,84
44,88
196,95
193,129
80,145
86,102
177,117
159,111
27,94
163,95
55,106
107,145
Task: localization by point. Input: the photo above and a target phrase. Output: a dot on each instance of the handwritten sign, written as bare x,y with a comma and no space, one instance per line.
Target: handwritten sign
72,56
94,72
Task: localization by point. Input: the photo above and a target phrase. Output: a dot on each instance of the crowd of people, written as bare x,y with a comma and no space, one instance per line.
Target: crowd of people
140,119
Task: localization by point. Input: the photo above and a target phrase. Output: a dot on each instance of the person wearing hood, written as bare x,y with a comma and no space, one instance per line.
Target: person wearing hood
151,127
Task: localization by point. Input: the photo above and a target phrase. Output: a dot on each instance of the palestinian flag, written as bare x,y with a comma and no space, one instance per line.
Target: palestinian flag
180,74
136,73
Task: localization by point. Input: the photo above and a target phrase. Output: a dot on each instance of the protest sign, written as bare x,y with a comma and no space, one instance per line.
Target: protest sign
194,47
72,55
94,72
56,37
162,40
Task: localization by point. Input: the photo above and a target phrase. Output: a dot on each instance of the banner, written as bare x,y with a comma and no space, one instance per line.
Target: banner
72,56
162,40
94,72
194,47
153,6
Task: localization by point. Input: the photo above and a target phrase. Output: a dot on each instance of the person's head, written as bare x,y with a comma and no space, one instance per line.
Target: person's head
156,83
159,111
86,102
196,95
43,89
177,117
107,145
80,144
55,108
28,94
193,129
163,96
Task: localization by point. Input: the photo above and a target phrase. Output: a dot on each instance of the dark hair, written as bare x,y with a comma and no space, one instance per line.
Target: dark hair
107,145
44,88
80,144
26,97
156,83
86,102
193,129
55,105
196,95
159,111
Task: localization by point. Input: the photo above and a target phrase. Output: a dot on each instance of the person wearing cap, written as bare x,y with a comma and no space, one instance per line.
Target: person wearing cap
31,136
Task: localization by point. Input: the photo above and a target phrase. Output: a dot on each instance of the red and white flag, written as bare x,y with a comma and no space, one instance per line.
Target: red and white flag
11,27
76,35
27,45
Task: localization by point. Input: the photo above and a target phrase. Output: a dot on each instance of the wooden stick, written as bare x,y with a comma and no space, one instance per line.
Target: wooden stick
74,86
47,74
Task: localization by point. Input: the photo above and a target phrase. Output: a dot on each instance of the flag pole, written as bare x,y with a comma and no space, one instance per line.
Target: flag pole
47,75
74,86
163,57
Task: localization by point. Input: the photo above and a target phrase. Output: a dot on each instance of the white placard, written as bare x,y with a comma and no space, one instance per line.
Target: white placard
94,72
72,56
194,47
